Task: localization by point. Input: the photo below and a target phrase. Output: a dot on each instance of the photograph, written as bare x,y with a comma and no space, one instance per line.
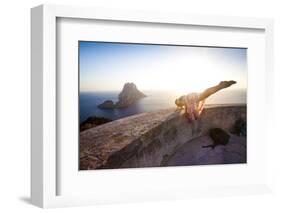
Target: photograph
160,105
142,105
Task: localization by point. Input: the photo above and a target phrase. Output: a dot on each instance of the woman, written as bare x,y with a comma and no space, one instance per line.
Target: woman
193,103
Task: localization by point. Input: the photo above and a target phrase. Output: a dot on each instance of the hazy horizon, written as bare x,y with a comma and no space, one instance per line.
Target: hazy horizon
181,69
153,90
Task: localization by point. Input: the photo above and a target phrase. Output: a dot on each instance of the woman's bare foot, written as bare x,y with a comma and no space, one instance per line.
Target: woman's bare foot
225,84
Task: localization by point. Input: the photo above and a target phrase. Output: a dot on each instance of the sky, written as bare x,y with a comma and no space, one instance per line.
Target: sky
106,66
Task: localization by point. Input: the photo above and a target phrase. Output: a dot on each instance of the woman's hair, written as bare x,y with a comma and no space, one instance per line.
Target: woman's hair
177,102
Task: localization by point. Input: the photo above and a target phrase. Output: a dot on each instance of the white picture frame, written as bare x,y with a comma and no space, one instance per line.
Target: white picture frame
44,148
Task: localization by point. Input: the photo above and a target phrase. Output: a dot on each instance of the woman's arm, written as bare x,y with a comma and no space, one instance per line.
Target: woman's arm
212,90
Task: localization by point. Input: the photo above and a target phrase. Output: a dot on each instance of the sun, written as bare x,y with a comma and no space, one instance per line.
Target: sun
183,74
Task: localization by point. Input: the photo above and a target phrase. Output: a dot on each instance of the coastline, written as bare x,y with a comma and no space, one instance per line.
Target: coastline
206,106
155,100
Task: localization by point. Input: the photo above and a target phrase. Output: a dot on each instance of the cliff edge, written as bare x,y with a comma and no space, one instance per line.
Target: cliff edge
156,138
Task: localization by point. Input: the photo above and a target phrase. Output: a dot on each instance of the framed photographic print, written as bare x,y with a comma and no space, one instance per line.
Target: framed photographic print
130,106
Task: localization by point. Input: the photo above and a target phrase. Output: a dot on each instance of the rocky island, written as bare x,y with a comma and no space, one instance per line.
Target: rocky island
128,96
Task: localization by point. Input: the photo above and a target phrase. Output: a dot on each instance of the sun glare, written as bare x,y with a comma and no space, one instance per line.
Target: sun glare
180,70
182,74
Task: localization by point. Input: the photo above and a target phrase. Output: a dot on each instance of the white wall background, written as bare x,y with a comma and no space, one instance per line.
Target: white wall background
15,104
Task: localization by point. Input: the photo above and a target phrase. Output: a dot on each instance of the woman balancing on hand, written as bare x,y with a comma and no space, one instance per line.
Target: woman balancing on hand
193,103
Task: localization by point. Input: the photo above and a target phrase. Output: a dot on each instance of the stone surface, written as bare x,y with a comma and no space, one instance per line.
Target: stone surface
93,121
150,139
191,152
111,144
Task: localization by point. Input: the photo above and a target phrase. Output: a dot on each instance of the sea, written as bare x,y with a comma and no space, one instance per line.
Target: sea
155,100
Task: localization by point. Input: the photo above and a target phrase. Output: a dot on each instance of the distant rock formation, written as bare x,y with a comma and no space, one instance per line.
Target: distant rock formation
108,104
128,96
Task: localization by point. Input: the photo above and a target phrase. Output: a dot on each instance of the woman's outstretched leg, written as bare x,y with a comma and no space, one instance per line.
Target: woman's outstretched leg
212,90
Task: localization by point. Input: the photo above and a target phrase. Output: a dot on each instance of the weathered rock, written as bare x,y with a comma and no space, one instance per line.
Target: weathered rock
149,139
108,104
93,121
191,153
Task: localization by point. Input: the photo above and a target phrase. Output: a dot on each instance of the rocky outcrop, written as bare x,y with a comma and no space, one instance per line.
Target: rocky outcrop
93,121
152,139
108,104
128,96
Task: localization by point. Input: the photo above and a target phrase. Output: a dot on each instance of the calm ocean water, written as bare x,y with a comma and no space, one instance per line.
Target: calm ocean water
155,100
